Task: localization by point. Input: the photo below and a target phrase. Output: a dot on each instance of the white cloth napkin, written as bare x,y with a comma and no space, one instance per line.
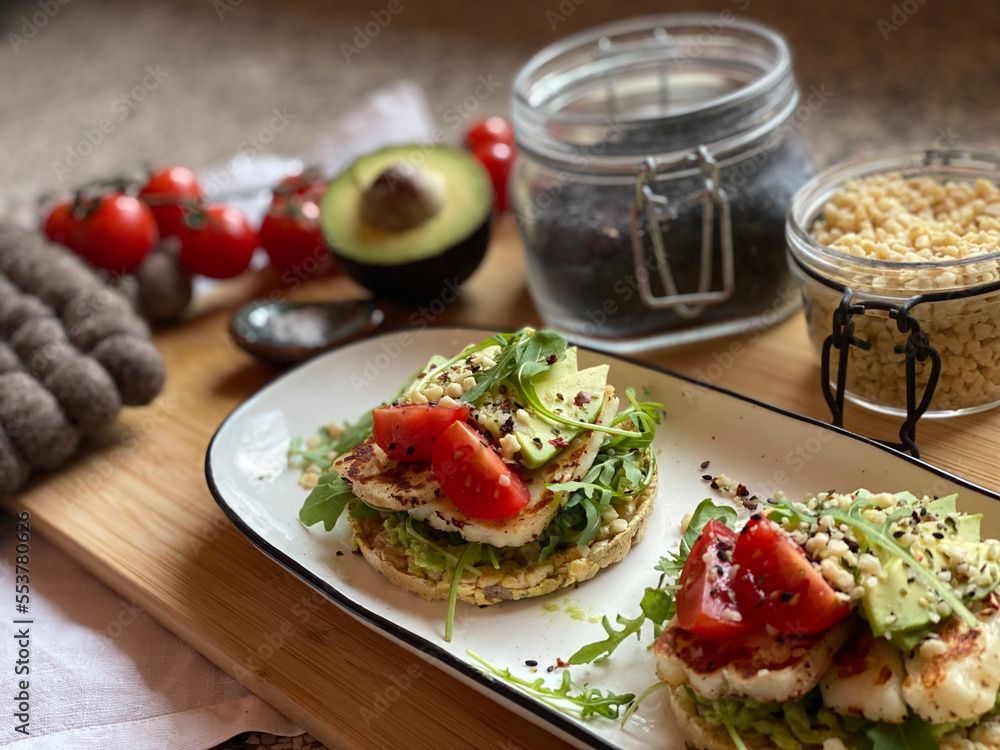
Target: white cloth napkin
103,674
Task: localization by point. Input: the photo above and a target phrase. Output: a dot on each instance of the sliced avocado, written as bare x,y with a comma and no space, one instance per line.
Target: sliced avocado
559,395
967,528
409,222
435,362
895,597
492,405
557,389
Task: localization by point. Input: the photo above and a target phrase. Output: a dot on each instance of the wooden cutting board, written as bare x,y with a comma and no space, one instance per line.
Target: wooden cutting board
134,509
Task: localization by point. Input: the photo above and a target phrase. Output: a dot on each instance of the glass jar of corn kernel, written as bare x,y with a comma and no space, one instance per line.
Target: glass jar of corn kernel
898,260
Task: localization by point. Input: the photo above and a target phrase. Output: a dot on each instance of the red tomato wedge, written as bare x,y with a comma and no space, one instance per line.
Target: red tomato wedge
474,477
778,583
706,603
409,432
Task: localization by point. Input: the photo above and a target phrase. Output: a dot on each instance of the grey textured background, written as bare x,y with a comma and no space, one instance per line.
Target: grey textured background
228,63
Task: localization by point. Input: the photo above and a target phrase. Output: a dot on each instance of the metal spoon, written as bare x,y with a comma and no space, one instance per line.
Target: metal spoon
286,333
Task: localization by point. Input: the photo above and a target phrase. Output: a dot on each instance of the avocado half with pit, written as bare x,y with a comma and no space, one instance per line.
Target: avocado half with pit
409,222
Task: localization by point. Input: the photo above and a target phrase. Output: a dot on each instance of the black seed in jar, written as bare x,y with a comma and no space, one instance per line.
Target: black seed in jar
135,365
33,421
14,470
91,302
580,257
89,332
164,288
8,359
14,312
86,392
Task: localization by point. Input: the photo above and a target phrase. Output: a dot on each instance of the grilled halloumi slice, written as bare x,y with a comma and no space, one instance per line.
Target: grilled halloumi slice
760,666
570,465
957,677
866,679
385,483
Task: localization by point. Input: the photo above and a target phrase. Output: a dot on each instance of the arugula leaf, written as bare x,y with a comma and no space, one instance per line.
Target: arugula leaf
326,503
587,701
522,382
672,563
354,434
519,350
320,455
362,510
912,734
657,606
733,734
655,687
600,650
879,535
469,555
658,603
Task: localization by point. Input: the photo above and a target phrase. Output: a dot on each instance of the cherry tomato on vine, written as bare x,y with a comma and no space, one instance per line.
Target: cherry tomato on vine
61,225
217,241
491,130
115,233
291,235
498,159
308,184
165,192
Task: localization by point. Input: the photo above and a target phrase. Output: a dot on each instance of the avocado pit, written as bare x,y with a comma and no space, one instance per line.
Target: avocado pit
401,198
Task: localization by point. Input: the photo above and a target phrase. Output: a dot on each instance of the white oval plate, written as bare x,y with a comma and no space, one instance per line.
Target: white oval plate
763,447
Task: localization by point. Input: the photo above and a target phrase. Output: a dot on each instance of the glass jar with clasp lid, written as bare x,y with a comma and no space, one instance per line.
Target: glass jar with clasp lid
899,259
658,159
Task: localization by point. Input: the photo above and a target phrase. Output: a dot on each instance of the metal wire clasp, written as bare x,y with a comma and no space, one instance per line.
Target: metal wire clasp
916,349
656,207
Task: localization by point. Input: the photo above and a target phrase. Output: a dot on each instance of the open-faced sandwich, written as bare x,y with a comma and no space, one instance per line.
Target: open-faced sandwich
500,473
865,621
